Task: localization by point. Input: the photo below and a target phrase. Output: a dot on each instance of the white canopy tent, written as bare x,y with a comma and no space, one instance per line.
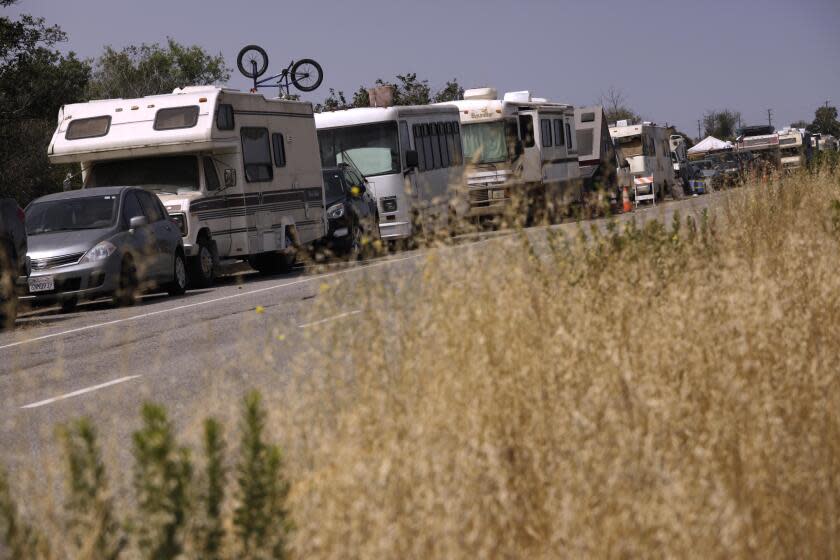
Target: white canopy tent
708,144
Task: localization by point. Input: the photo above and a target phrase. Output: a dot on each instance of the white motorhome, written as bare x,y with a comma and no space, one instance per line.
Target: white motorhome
517,146
679,157
644,150
596,152
239,173
795,148
410,155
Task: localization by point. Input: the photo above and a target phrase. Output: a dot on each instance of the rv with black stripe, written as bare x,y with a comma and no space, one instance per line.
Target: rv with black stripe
239,173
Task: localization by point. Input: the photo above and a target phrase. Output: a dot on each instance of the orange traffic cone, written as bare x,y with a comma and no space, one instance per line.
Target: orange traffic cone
625,195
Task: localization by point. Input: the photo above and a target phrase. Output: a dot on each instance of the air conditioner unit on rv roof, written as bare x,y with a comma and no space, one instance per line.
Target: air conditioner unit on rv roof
481,93
518,96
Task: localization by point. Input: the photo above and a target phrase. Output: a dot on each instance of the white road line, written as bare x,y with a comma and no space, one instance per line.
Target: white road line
201,303
333,318
81,392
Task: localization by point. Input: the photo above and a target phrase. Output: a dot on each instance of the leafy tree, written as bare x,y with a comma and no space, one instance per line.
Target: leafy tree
723,125
825,121
361,98
452,91
334,102
35,80
615,106
153,69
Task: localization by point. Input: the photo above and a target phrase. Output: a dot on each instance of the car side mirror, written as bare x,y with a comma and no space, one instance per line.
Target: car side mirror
358,190
137,222
412,160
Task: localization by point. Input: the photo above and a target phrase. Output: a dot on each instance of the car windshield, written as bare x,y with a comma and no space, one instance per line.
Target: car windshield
170,175
485,142
332,185
90,212
371,148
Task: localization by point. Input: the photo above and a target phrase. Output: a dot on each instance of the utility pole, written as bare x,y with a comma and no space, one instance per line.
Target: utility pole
698,131
770,117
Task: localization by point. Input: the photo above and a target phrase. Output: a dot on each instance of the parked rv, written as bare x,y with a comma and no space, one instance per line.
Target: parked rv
679,159
596,152
238,172
761,143
410,156
519,146
645,151
795,147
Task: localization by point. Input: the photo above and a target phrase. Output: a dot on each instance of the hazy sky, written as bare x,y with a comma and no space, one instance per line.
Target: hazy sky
673,60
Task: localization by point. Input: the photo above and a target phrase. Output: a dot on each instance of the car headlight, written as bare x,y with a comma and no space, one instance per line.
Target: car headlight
335,211
100,252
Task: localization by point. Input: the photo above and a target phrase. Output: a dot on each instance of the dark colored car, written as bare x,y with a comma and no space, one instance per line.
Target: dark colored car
105,241
351,211
13,262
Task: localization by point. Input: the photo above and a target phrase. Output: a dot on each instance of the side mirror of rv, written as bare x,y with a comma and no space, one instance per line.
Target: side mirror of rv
230,177
518,148
137,222
358,190
412,160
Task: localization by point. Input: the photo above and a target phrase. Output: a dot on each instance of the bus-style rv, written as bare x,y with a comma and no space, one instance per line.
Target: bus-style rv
239,173
644,150
410,155
517,146
596,153
760,143
795,148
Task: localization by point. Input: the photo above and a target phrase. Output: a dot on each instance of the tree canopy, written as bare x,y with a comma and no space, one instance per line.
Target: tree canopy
615,106
35,80
825,121
722,124
408,90
136,71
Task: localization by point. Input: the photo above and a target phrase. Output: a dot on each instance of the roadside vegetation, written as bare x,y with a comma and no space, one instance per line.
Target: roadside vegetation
657,390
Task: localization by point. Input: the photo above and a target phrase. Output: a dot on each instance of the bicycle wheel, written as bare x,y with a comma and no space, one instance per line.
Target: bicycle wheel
246,59
307,74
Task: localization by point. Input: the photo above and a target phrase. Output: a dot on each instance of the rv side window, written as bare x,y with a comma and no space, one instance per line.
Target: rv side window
545,132
526,130
444,147
457,148
559,138
256,154
433,138
279,149
571,146
418,146
427,145
211,178
587,117
176,117
88,128
224,117
405,141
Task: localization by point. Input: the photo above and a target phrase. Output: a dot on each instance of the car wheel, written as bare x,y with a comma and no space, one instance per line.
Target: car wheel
201,273
127,285
179,276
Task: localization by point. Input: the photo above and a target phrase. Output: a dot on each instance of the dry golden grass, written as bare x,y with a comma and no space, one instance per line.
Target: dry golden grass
665,391
658,393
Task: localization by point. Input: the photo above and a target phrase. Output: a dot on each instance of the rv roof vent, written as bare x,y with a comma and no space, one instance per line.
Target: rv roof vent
195,89
518,96
539,100
481,93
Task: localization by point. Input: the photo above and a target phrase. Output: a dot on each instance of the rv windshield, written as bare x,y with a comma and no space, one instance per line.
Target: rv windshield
485,142
168,175
371,148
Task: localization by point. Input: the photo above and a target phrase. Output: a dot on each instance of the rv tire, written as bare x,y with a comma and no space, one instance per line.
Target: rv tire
201,272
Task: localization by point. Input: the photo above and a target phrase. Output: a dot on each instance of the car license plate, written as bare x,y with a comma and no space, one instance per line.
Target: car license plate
496,195
41,284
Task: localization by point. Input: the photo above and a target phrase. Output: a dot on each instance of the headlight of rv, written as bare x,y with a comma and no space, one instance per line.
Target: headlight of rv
335,211
100,252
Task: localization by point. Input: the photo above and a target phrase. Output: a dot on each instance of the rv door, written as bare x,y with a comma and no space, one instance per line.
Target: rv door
530,159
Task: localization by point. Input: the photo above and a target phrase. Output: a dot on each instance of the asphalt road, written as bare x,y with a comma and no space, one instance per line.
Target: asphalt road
182,352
